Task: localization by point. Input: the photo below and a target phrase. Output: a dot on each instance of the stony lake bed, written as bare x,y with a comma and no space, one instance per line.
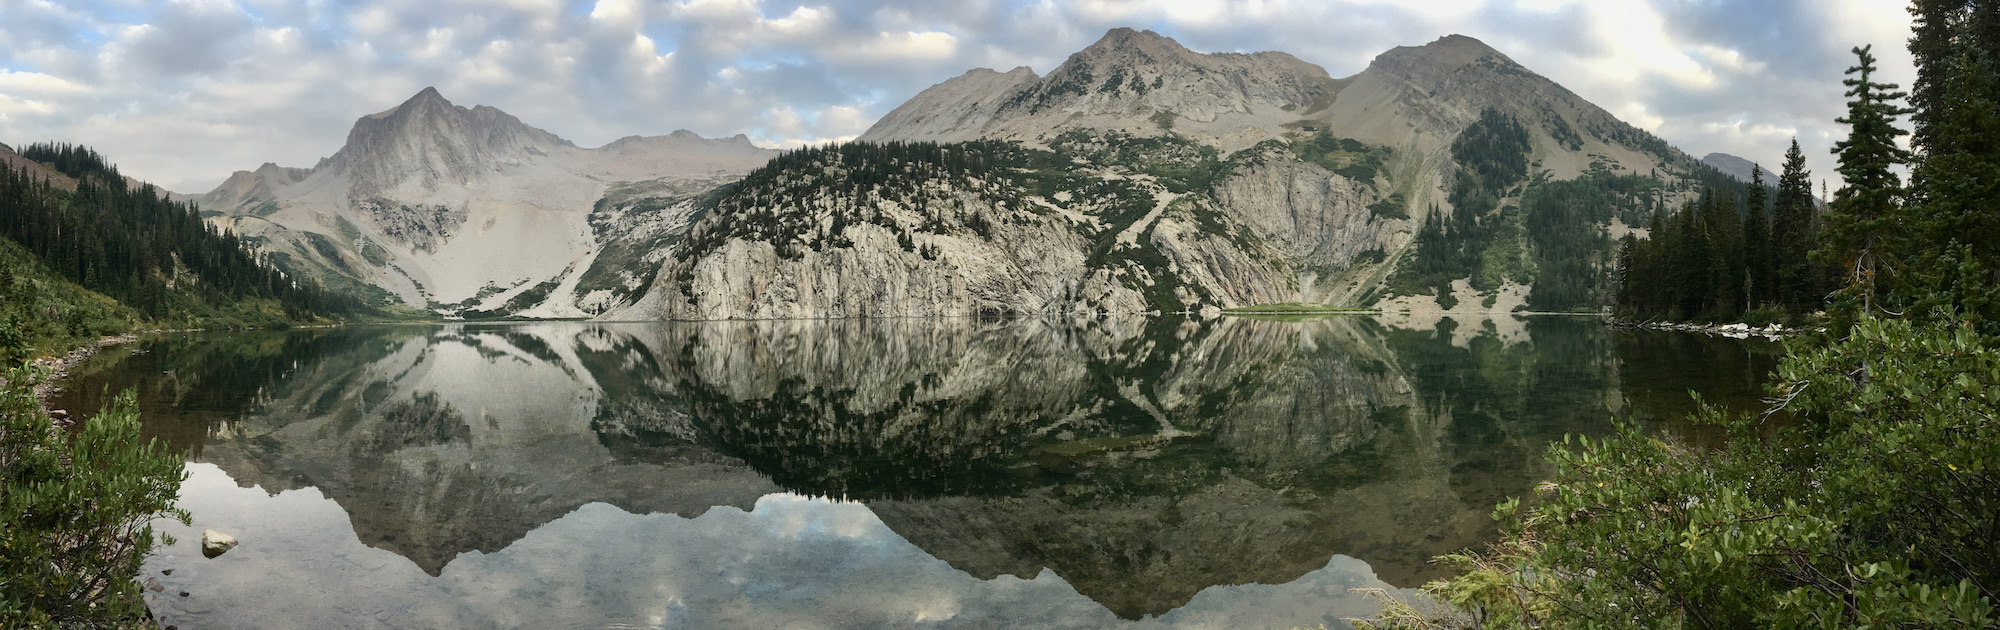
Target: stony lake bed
855,473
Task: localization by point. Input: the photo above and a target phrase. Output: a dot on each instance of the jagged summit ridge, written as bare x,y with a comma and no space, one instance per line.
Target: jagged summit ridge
1131,81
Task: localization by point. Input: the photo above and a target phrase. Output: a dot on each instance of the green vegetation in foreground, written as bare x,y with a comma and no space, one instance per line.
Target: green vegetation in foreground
76,512
1876,507
1874,500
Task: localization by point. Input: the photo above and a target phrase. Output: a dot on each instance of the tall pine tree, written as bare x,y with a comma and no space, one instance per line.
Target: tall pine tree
1953,212
1862,224
1761,266
1793,236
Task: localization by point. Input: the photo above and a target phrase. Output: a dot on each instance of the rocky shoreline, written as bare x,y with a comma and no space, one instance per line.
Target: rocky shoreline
1773,332
59,367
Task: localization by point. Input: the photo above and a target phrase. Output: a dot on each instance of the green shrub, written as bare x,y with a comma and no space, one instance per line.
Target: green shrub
1874,506
76,512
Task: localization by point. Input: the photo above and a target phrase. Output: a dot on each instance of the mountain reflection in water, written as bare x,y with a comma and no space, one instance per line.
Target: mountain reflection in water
1137,462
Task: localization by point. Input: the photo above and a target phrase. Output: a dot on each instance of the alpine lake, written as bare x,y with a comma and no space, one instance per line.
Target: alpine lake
1168,472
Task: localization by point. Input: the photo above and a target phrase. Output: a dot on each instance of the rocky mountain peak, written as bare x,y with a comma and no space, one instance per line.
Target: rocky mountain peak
427,142
1127,42
1436,62
1131,81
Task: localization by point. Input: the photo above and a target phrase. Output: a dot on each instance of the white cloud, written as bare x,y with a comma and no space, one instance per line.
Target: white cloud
12,82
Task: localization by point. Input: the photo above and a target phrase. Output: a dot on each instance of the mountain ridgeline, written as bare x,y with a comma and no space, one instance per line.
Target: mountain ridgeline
1138,176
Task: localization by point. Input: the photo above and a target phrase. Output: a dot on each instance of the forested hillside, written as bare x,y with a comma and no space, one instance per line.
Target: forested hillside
1510,221
157,256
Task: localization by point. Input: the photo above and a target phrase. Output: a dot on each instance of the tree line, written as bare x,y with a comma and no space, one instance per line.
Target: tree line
1508,224
1726,256
1882,246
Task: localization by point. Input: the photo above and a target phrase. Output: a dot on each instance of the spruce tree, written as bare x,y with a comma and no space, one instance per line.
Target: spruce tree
1862,224
1722,233
1761,267
1953,211
1792,235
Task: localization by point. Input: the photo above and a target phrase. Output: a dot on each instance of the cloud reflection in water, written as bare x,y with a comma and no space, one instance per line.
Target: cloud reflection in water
790,562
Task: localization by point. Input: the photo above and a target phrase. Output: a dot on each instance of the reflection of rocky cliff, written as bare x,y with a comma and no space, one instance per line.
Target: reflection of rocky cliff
1141,460
442,441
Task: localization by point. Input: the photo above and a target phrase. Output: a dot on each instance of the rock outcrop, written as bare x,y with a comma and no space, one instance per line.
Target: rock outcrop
1099,224
214,543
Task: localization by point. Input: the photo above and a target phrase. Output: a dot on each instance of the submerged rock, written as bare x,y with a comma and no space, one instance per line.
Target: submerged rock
214,543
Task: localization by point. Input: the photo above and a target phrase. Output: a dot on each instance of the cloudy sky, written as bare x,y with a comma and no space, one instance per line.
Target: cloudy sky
181,93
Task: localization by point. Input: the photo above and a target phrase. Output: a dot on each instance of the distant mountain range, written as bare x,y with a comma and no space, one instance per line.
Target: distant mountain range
443,207
1136,176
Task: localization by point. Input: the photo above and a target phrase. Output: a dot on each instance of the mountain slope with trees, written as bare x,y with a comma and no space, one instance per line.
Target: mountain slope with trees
1248,179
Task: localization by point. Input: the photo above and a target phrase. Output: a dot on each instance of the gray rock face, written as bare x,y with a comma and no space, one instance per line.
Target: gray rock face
1025,266
1739,168
421,226
1079,234
1131,81
427,143
1313,224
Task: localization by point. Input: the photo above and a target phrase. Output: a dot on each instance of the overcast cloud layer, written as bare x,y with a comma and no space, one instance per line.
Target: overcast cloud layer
182,93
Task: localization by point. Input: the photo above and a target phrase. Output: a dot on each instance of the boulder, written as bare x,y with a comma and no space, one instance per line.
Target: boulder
214,543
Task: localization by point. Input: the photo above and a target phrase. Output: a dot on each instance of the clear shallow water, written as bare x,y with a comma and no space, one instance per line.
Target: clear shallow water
901,473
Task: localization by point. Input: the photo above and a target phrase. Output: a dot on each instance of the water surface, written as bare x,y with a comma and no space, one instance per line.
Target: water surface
901,473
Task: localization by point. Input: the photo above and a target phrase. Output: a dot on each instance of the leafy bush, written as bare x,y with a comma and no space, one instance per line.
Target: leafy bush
76,512
1876,506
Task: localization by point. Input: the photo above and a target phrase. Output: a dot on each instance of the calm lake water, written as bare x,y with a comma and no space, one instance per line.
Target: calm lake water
857,474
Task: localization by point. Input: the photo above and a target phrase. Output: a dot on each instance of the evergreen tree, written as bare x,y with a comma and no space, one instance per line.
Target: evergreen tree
1862,226
1793,236
1761,266
1722,227
1953,223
